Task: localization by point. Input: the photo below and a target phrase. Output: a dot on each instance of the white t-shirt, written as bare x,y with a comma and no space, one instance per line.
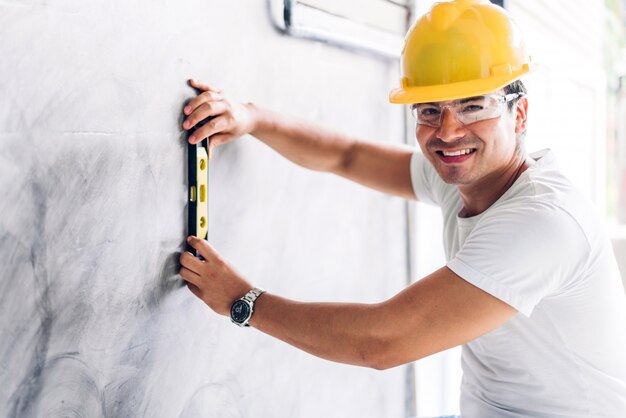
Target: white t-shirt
542,249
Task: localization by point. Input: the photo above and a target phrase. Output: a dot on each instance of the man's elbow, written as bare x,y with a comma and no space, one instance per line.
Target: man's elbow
381,366
383,363
382,355
344,165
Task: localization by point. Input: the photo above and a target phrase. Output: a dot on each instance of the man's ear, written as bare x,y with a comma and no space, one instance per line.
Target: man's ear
521,115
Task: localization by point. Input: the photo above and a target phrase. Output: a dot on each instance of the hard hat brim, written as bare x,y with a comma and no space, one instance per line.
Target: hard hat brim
453,91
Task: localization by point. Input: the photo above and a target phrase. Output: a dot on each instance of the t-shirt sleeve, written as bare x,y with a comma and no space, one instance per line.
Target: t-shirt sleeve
523,254
427,185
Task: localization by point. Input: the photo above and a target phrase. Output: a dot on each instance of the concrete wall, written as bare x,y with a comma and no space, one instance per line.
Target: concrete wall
94,320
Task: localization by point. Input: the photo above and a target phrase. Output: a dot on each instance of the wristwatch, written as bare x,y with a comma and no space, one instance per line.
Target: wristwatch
241,309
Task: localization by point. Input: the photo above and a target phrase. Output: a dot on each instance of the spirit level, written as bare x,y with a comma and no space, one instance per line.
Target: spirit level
198,174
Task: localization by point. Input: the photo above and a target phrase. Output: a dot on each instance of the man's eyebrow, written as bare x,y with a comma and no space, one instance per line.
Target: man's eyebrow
471,99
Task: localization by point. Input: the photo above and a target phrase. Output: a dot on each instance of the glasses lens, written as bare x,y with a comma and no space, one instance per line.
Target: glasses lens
475,109
426,113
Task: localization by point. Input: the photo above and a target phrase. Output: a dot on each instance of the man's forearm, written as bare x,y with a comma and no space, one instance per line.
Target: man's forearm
303,142
380,166
342,332
433,314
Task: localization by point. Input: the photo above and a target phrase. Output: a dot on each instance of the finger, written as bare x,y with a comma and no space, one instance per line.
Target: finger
200,85
214,126
195,290
207,96
189,276
204,111
204,248
190,262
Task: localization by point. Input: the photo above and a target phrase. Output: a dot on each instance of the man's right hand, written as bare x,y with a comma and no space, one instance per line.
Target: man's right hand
230,120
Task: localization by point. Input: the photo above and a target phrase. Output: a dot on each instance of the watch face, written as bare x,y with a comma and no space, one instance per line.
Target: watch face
240,311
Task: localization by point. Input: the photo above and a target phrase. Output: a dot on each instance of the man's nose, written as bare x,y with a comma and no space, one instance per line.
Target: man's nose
451,128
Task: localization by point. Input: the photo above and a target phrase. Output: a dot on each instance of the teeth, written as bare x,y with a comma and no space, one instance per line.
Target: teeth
457,153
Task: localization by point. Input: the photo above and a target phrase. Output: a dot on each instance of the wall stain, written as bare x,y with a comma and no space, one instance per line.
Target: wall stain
66,386
31,385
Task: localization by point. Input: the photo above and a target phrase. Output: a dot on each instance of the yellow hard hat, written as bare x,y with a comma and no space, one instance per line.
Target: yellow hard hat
461,48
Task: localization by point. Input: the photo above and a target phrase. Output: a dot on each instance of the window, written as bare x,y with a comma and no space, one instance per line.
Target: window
376,26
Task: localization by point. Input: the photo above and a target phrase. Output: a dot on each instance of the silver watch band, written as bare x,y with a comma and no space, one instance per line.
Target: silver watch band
253,294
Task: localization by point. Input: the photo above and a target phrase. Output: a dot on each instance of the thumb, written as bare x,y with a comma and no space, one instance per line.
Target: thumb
204,248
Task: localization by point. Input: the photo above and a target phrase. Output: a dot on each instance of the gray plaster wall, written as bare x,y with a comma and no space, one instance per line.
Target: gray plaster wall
94,320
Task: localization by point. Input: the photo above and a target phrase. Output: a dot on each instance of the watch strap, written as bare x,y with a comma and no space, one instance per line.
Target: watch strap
253,294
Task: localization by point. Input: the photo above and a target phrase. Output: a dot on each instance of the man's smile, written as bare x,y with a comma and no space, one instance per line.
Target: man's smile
455,156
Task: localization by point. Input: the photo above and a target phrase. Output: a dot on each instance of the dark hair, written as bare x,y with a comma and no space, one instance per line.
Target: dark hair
515,87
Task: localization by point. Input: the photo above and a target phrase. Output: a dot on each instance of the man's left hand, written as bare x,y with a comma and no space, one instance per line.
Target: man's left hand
212,280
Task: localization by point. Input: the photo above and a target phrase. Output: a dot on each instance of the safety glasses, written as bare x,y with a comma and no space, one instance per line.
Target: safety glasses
466,111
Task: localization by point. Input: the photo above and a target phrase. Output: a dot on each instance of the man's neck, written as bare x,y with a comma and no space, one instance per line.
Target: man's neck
477,198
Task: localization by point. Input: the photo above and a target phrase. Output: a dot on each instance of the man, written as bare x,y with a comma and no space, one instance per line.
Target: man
531,287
